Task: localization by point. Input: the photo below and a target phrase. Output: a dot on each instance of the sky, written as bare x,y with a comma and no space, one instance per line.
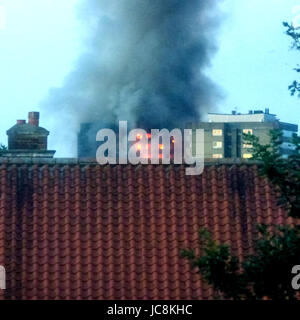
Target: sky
41,40
254,64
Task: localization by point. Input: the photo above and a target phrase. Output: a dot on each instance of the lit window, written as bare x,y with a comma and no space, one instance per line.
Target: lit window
246,131
217,132
247,145
217,155
217,144
247,155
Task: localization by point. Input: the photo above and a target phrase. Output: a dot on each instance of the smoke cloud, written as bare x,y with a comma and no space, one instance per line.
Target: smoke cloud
144,62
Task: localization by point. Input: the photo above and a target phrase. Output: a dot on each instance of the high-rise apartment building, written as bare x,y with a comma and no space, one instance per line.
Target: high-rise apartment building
223,133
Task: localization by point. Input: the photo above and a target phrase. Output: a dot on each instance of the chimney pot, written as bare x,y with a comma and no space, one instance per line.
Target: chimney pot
21,122
33,118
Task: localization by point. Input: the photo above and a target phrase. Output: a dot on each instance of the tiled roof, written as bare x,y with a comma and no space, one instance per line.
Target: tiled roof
85,231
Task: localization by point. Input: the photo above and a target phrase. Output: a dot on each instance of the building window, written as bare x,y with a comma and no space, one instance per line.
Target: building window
246,131
247,145
217,155
217,144
288,145
217,132
247,155
287,133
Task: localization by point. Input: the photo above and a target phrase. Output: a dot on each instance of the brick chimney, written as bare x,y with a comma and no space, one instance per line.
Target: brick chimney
28,139
33,118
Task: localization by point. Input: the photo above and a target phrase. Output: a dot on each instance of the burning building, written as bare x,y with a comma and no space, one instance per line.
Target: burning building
74,229
87,145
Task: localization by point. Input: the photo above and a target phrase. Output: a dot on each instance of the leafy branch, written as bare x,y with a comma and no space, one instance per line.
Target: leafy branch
294,33
267,272
2,147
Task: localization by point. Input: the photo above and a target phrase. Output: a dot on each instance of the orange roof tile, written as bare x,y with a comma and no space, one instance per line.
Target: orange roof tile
114,232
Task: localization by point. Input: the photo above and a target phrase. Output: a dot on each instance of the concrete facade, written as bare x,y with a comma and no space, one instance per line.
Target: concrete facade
223,134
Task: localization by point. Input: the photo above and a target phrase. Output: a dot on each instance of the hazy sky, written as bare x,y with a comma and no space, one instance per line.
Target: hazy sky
254,64
40,41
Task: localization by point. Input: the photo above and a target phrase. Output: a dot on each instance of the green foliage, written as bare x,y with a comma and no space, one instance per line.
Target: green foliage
218,267
295,35
2,147
267,272
284,174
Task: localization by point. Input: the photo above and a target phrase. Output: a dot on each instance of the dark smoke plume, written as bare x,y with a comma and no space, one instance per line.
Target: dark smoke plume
144,62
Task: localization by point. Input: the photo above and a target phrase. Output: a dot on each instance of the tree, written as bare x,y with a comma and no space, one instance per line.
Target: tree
295,35
284,174
2,147
267,272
